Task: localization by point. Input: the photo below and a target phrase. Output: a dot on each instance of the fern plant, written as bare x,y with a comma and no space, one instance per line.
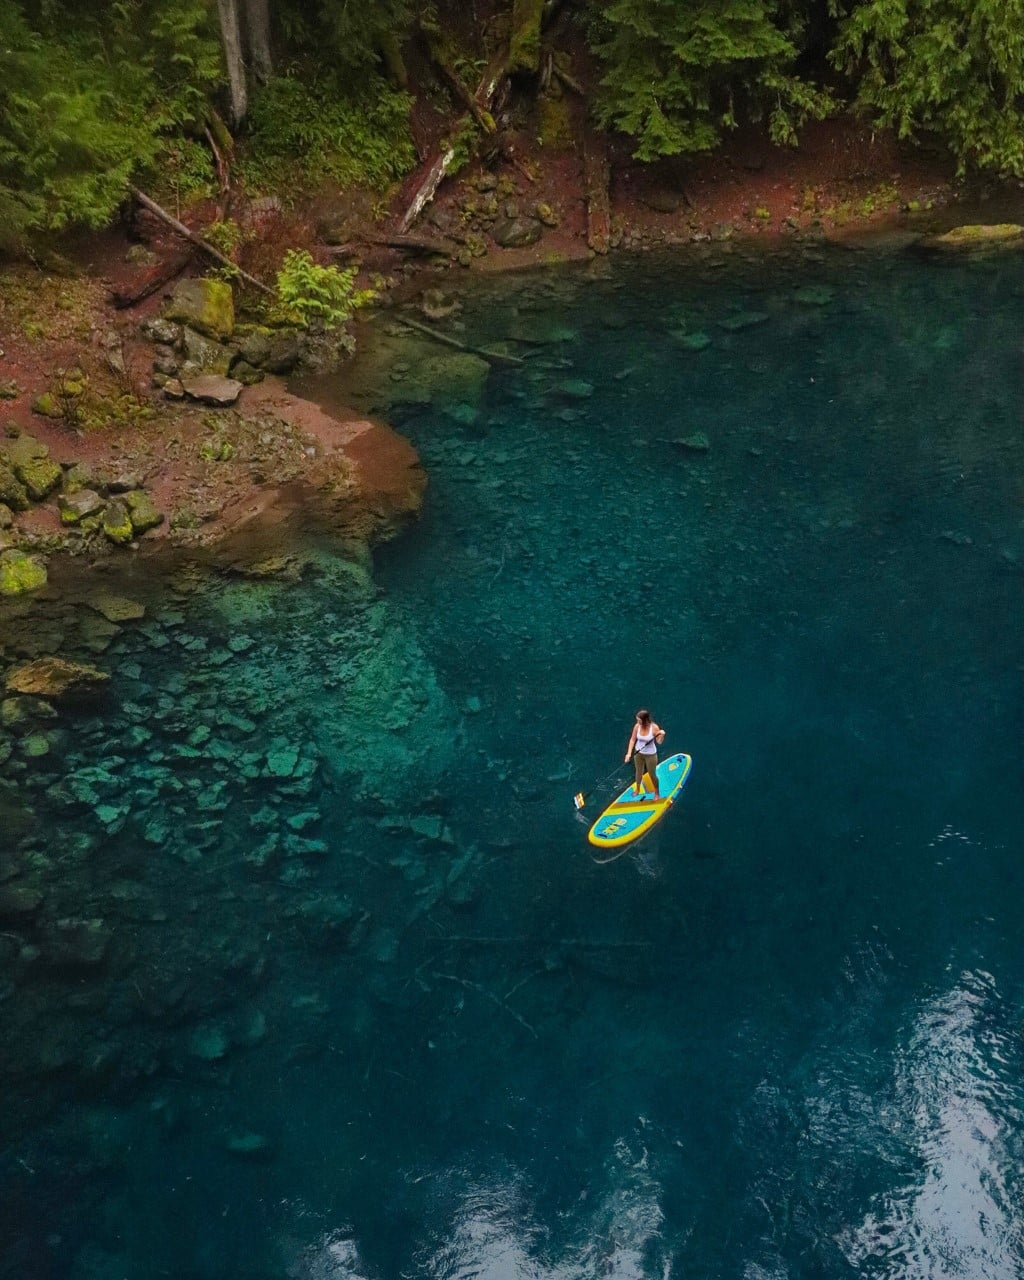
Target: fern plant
319,297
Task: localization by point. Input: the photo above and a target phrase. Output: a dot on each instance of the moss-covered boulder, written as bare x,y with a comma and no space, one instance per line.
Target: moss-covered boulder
142,511
31,462
77,506
20,573
13,493
977,236
207,306
117,523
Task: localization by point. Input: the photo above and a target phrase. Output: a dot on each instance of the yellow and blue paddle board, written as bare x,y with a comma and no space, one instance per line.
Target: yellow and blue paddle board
629,817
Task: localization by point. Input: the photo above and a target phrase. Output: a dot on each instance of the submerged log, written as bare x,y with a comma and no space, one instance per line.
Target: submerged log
494,357
596,183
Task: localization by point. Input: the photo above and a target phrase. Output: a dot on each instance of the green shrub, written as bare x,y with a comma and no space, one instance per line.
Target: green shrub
321,296
307,131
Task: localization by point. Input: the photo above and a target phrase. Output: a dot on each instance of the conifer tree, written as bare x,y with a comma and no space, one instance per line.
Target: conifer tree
952,68
677,75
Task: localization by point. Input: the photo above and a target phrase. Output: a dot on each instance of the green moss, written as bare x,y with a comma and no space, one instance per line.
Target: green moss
554,128
524,43
117,523
976,234
20,573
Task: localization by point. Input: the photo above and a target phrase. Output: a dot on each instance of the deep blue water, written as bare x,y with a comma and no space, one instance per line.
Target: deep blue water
365,1006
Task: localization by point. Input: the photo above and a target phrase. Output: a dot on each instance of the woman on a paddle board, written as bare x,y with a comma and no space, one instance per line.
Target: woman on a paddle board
643,747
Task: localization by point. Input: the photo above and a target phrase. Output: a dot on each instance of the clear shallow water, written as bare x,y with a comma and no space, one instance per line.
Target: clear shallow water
348,1024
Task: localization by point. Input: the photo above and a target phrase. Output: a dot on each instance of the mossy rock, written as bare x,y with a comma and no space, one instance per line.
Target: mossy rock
979,236
40,477
142,511
20,573
698,340
208,306
47,406
117,523
13,493
78,506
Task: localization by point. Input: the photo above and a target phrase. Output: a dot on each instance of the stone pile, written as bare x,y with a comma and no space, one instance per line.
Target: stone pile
108,503
203,356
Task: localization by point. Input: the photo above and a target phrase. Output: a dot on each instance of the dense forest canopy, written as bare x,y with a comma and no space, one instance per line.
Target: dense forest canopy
97,93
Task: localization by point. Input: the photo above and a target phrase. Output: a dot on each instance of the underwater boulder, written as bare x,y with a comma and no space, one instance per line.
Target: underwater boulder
54,678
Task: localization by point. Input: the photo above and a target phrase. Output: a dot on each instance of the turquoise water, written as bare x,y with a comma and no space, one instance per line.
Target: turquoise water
312,974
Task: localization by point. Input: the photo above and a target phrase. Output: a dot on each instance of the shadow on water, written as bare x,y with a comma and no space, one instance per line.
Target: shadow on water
305,966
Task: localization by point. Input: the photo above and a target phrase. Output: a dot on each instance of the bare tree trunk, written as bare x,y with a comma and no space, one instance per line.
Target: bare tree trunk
257,27
231,37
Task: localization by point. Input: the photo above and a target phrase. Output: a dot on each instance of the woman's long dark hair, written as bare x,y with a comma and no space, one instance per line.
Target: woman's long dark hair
644,716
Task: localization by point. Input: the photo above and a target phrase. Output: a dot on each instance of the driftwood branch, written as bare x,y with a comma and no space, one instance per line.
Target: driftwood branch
494,357
198,241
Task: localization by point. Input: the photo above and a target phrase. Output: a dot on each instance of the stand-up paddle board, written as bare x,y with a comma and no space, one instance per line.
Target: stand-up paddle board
628,817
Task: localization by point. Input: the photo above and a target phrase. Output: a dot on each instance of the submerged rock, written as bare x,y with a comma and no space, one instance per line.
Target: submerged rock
742,320
54,678
73,943
116,608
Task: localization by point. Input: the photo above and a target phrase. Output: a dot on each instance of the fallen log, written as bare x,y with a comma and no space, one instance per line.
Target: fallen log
198,241
493,357
596,182
163,273
415,244
484,120
486,94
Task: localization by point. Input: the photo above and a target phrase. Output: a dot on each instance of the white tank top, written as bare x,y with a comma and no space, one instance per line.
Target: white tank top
645,742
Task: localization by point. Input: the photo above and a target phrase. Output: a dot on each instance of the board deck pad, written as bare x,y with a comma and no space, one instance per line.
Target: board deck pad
627,818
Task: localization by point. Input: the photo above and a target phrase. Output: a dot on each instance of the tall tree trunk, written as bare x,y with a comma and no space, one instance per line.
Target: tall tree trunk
257,28
231,36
